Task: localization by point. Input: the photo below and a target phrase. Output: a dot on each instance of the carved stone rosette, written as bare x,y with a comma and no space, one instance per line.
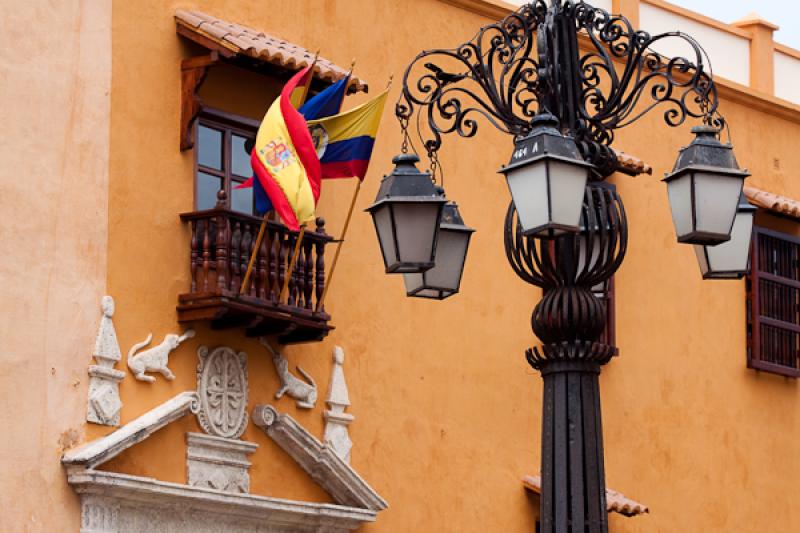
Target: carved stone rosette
222,390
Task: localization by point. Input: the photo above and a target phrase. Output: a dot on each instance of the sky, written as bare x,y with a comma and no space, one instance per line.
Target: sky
783,13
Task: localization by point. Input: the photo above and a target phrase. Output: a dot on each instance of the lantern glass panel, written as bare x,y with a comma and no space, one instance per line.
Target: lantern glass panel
679,191
567,189
528,187
716,201
729,259
383,223
416,227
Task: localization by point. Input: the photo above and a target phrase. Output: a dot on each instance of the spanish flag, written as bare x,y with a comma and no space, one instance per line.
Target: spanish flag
284,158
344,142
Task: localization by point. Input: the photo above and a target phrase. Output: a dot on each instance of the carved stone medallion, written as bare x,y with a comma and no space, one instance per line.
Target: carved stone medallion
222,389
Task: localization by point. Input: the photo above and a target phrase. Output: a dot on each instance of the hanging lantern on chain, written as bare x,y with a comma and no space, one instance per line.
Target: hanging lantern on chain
407,212
704,189
444,279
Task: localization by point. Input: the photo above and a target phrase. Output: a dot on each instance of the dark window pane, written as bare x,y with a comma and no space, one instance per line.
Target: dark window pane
240,159
242,200
209,147
207,187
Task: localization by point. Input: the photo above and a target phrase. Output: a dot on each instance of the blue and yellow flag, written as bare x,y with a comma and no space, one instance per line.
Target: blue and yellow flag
344,142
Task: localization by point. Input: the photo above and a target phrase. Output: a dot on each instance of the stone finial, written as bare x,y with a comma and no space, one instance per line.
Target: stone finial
338,399
103,405
106,347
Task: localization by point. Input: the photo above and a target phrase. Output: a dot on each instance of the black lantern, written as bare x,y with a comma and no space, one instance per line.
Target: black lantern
730,259
406,213
704,189
444,279
546,177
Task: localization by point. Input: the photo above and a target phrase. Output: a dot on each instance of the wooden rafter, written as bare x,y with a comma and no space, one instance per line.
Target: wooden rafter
193,73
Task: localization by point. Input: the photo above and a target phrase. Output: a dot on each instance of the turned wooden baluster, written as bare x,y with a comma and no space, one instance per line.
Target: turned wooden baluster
300,276
206,253
293,275
320,270
221,255
194,256
236,247
285,244
252,291
274,252
244,254
262,268
309,274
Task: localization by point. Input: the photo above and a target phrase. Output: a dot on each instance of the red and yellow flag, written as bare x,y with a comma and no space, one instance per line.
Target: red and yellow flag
284,159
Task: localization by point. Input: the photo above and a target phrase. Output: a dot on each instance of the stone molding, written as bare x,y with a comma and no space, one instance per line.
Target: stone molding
97,452
117,503
218,463
320,461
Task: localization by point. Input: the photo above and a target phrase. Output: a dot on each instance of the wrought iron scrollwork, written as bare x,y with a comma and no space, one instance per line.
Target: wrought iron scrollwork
567,268
531,61
493,75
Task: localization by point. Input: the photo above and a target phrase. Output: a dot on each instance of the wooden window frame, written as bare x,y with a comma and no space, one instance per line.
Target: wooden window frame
754,318
230,124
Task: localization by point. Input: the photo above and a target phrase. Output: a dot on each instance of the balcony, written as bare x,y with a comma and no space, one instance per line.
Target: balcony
221,244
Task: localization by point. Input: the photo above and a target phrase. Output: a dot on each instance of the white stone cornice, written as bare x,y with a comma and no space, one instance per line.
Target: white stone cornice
145,504
332,473
101,450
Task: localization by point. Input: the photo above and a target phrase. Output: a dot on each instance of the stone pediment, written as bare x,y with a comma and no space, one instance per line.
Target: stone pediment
115,502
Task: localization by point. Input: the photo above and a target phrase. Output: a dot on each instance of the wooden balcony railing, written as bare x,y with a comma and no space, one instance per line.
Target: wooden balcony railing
220,247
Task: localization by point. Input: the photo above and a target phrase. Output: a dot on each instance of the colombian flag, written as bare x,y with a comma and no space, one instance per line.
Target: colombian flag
284,158
344,142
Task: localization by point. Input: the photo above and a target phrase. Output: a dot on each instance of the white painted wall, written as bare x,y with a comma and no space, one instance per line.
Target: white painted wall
787,77
729,53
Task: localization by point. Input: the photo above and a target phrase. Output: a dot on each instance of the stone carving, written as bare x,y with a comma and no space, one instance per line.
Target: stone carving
156,358
336,420
104,404
304,393
222,389
218,463
99,515
338,478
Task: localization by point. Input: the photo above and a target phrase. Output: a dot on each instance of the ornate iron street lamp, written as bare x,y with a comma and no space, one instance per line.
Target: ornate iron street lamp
561,78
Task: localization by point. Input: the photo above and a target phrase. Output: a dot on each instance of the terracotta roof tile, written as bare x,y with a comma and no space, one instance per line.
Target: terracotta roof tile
615,501
262,46
632,165
773,202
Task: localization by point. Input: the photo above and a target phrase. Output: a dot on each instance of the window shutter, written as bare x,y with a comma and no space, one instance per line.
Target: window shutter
773,303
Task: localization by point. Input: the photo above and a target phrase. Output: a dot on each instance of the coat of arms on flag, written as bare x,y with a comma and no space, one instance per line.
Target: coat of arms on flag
277,155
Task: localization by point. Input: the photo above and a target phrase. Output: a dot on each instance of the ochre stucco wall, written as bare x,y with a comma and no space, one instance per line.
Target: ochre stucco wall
55,67
447,411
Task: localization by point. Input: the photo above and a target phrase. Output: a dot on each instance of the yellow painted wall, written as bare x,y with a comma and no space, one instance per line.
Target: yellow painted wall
447,411
55,78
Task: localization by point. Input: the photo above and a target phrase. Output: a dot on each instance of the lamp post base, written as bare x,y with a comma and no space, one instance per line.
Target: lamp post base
573,496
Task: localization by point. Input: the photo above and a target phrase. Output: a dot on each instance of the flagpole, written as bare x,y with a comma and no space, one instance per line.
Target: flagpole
253,255
264,219
290,266
344,229
339,248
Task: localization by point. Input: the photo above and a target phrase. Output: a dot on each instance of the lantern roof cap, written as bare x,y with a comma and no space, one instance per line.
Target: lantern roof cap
706,153
406,184
451,218
544,141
